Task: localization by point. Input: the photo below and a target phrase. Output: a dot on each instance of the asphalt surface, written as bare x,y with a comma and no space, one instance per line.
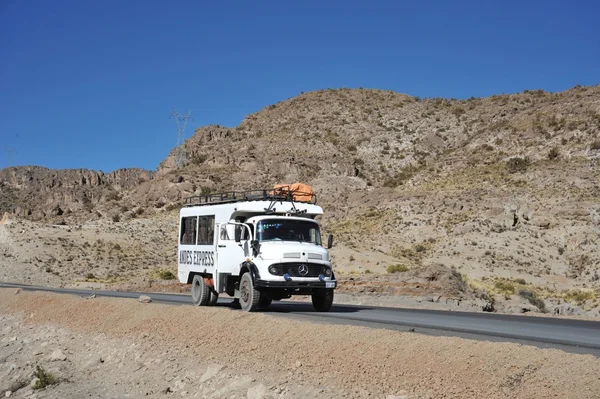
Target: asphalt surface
578,336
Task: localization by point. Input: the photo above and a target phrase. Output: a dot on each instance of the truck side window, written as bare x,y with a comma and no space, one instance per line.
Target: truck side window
188,230
224,235
202,237
207,230
210,228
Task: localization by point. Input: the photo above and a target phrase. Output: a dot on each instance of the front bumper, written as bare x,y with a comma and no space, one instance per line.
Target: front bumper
296,285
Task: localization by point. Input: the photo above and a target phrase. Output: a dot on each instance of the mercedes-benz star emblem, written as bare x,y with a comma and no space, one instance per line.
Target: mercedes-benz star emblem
303,269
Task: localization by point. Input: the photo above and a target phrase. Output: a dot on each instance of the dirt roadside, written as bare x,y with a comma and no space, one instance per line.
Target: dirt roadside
105,347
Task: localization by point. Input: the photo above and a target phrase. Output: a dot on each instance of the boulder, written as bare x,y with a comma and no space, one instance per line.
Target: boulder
566,309
58,355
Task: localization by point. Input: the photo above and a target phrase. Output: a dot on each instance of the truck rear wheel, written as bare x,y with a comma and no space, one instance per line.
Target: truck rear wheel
213,297
200,291
323,301
249,296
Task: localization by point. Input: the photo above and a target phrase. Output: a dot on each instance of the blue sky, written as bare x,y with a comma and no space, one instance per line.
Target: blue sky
91,84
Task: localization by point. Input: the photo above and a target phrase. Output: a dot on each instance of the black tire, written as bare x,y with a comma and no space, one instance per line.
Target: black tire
200,291
236,304
249,296
265,302
213,297
323,301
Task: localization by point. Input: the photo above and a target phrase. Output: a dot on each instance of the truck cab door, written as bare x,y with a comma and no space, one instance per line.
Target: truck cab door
230,255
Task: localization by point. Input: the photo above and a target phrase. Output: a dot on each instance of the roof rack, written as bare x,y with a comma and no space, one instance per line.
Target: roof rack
277,195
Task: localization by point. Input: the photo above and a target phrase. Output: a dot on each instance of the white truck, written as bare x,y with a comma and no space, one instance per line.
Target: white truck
256,246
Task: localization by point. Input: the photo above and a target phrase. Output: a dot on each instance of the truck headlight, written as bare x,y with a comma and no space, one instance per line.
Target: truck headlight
327,272
274,270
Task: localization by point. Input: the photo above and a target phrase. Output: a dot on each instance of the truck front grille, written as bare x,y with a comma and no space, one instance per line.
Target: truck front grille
299,269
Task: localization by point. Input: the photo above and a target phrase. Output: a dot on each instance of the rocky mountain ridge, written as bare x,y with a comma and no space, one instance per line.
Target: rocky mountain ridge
38,192
369,138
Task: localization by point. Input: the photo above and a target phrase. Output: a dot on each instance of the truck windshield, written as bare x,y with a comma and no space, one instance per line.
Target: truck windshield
288,230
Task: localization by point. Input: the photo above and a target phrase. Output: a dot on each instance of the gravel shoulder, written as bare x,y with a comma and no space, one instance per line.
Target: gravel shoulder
104,347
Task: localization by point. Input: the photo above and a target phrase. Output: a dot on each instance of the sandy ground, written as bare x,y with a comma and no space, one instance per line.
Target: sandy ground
104,347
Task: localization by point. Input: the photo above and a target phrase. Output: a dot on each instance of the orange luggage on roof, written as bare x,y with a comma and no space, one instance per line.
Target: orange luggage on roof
300,192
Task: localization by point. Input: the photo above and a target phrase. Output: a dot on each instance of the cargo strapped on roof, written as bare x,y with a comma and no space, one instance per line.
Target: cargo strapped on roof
297,192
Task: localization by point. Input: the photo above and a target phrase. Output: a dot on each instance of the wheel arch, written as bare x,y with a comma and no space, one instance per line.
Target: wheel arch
252,269
192,274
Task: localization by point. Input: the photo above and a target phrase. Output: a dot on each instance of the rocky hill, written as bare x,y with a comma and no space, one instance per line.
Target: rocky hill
39,193
504,187
357,139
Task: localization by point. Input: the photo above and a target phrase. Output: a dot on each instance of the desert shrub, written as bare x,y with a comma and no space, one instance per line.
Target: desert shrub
579,296
113,196
533,299
400,177
505,287
520,281
397,268
351,147
553,153
368,271
90,276
458,111
420,248
517,164
116,218
595,145
172,206
166,275
198,159
44,378
572,125
87,204
578,265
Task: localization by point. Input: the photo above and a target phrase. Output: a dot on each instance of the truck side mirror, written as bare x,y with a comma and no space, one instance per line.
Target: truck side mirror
255,247
330,241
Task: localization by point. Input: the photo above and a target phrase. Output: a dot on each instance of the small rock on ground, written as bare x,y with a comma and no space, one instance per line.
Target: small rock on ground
58,355
211,372
257,392
144,299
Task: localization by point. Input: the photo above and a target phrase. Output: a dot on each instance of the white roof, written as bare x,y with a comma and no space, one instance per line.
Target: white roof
279,207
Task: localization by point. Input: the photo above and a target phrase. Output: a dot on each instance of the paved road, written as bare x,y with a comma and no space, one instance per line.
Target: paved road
580,336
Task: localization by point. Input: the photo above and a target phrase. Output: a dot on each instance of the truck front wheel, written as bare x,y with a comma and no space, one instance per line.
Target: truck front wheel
249,296
322,301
